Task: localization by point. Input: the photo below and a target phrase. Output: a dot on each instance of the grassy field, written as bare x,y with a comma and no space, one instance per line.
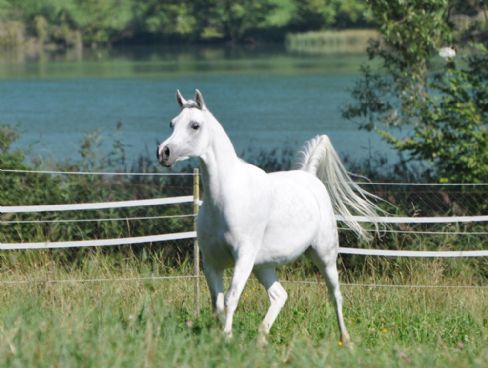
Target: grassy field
112,321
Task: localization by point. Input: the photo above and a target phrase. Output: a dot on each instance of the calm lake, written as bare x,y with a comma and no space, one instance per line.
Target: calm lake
265,98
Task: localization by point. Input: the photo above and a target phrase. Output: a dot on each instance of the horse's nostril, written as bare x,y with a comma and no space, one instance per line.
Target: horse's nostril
166,152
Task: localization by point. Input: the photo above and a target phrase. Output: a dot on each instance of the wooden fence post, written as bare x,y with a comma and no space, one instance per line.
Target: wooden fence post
196,248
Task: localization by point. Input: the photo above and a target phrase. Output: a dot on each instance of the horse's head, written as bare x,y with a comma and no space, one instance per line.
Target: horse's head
190,137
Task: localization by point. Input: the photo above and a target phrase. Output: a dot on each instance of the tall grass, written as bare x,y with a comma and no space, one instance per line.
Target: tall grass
136,323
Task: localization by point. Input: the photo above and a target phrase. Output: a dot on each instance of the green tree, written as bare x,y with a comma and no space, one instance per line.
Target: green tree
447,117
321,14
236,19
411,33
164,19
101,21
452,131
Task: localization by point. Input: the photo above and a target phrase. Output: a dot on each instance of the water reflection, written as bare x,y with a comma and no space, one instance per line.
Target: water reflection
140,61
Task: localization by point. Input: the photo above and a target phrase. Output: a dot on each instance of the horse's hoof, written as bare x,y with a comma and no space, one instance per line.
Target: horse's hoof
228,336
262,340
346,342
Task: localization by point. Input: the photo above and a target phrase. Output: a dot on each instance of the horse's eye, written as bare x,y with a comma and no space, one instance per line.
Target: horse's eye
195,126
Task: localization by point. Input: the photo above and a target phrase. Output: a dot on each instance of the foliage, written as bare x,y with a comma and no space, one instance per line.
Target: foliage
411,33
236,19
34,189
446,115
320,14
109,21
452,129
100,21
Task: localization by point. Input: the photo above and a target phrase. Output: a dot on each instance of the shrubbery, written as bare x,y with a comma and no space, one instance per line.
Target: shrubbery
445,105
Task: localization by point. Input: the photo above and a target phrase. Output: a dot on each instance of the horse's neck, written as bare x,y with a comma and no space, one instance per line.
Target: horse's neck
218,165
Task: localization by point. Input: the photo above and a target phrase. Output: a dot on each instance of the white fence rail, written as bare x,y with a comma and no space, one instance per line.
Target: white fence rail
192,234
100,242
96,206
419,220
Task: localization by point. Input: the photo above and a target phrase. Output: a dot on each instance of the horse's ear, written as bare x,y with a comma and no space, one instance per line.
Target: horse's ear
199,100
179,98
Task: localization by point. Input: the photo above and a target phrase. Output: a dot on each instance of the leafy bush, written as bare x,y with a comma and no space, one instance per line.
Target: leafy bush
447,114
452,128
35,189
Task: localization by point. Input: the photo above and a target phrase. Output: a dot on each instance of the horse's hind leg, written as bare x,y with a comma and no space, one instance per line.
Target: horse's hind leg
277,298
328,268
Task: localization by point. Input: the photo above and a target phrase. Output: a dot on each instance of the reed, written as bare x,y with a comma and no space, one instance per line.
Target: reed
352,41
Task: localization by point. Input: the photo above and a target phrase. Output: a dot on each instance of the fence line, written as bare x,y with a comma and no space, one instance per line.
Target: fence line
421,184
64,221
187,235
414,253
190,199
196,201
99,242
192,277
139,218
421,231
108,173
96,206
417,220
193,234
397,286
101,279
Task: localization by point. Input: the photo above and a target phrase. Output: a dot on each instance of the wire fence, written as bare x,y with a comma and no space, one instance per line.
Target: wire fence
414,209
193,277
125,208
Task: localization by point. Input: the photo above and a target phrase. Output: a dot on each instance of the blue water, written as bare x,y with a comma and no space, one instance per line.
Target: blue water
260,107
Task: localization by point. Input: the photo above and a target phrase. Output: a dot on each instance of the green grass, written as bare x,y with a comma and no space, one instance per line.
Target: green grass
142,323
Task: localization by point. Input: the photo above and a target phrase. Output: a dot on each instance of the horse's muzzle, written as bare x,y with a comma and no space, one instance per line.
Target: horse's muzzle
162,154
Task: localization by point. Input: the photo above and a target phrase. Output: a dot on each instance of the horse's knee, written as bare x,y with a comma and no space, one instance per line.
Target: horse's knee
277,294
219,304
231,300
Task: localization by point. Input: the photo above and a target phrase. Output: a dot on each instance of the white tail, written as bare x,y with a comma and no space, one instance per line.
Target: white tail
348,199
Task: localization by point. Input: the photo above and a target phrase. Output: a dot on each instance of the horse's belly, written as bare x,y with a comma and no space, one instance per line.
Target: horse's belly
293,224
284,245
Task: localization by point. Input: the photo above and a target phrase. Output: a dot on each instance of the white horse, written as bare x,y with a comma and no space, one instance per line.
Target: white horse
256,221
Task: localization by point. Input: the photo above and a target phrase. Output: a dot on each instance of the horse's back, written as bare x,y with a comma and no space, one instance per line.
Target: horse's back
299,184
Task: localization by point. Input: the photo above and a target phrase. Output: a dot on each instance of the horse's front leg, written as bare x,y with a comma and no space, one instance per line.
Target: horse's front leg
243,268
215,282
